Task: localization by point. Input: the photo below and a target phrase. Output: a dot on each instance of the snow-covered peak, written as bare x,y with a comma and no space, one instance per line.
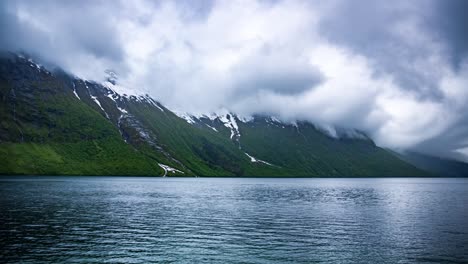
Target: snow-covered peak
227,118
217,115
186,116
230,120
112,82
124,91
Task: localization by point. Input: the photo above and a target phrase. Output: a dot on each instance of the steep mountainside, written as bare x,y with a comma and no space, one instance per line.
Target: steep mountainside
435,165
54,123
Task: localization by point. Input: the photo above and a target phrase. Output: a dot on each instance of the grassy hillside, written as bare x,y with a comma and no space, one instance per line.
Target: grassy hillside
46,130
53,123
303,150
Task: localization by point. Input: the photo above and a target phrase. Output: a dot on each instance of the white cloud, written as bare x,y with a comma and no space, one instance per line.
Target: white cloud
276,58
224,60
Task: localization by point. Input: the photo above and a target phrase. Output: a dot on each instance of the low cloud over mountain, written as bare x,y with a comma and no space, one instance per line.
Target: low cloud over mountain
397,70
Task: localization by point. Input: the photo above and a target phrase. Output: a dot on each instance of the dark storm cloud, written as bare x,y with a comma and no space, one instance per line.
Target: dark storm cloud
282,82
279,74
402,39
450,23
387,34
447,144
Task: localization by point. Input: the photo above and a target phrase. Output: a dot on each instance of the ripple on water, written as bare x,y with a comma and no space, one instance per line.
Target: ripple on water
141,220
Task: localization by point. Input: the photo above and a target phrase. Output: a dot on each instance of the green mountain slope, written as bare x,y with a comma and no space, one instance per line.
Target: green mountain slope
44,129
53,123
304,150
437,166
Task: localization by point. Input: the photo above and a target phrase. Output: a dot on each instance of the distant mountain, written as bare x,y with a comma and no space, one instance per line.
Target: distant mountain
437,166
55,123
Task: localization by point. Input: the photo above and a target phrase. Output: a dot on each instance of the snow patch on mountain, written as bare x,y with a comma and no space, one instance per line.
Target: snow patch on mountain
95,99
32,63
211,116
255,160
187,117
153,102
245,119
76,95
74,91
212,127
117,88
167,169
111,82
123,111
111,94
273,121
229,121
144,99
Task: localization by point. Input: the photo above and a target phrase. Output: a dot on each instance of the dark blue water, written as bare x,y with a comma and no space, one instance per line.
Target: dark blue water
143,220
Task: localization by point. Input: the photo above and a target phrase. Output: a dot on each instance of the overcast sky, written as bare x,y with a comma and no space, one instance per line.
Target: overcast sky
395,69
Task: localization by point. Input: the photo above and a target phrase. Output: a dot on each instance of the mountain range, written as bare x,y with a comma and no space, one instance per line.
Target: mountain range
54,123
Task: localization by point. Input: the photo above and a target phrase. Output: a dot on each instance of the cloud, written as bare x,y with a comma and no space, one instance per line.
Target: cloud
70,34
395,70
284,74
449,23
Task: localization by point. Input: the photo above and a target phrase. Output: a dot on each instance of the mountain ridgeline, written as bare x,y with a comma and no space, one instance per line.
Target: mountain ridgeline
53,123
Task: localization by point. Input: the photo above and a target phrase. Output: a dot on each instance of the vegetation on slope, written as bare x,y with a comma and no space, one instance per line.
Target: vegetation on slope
47,129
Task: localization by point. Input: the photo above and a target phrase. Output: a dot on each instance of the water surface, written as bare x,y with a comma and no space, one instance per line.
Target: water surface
226,220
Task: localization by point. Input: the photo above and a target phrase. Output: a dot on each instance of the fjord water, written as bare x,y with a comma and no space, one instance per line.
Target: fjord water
227,220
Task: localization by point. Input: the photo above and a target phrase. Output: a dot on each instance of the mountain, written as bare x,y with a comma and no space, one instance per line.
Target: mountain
55,123
436,165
